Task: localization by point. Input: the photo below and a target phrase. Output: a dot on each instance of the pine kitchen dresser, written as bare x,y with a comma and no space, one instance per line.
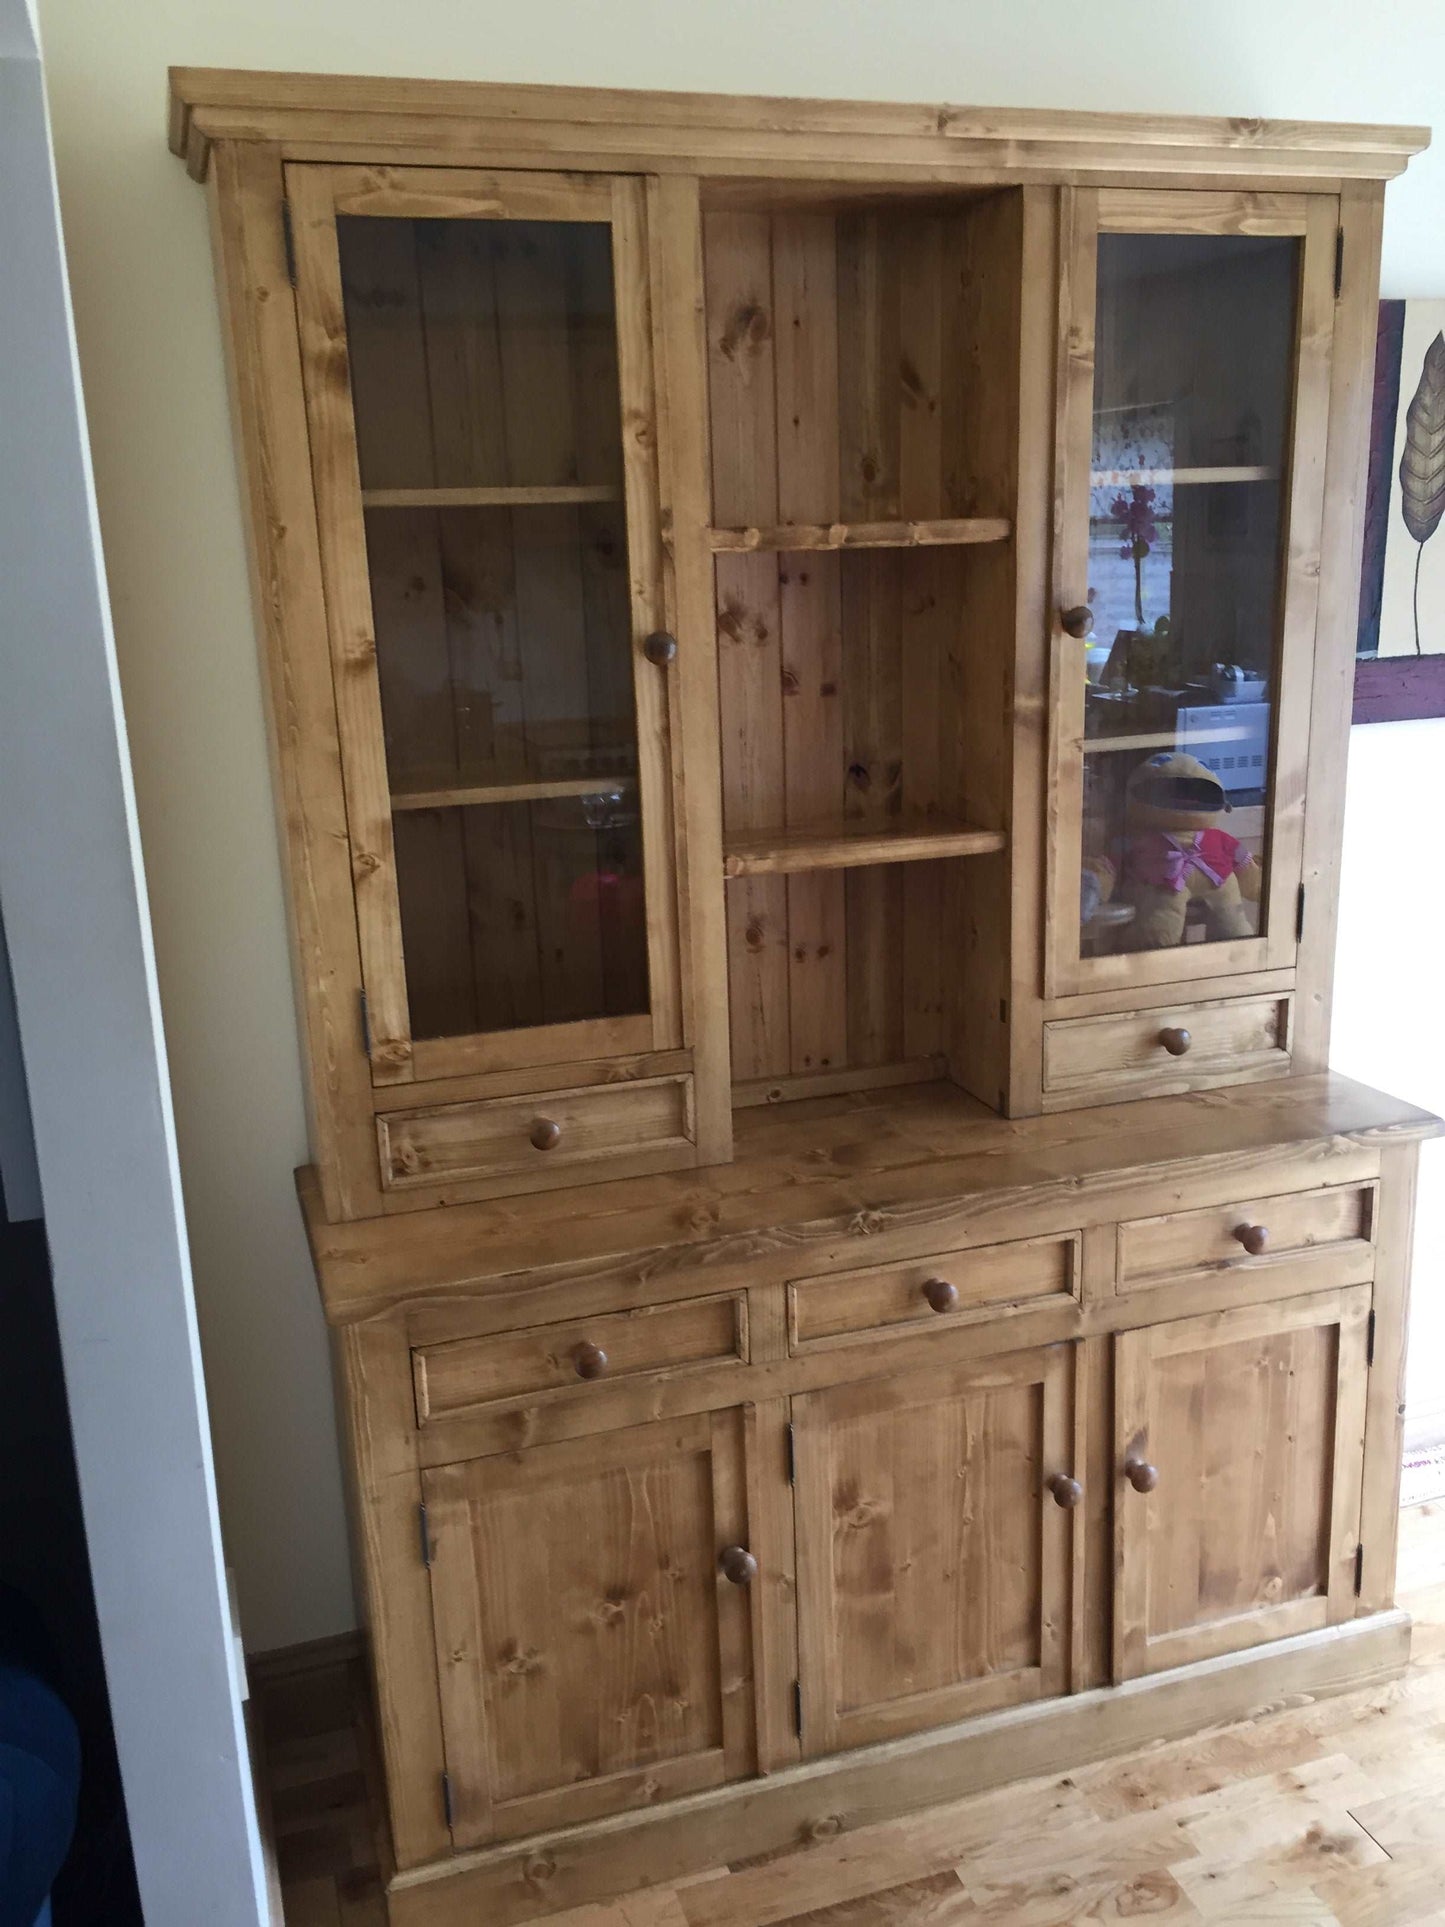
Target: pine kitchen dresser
851,1278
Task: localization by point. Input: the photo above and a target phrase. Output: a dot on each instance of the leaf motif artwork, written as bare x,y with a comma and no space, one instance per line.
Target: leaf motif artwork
1422,463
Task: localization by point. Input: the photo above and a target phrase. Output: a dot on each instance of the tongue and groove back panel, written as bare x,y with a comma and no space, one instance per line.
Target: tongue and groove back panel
863,368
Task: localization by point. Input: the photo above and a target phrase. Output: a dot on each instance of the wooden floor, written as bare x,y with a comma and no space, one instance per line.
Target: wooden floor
1315,1813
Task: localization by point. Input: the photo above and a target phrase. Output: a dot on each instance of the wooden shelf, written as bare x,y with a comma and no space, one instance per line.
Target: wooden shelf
1164,739
1176,477
464,796
848,846
489,498
794,536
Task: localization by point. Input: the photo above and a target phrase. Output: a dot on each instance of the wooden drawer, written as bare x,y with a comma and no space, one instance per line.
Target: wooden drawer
1227,1041
465,1373
1223,1237
534,1136
893,1298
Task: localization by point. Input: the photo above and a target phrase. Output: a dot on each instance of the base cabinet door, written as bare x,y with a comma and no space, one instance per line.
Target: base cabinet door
1239,1444
932,1552
592,1616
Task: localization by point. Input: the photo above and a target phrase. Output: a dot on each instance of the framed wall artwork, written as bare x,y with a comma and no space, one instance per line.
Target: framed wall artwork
1400,656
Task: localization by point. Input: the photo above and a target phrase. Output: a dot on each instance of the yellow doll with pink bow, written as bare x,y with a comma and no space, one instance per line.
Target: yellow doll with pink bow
1175,854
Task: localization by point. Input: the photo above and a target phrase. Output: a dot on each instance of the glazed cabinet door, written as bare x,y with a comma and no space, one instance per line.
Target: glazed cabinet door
1196,334
1239,1443
934,1528
476,353
592,1609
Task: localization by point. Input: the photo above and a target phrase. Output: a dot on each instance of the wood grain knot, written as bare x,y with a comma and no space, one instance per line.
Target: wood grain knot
737,623
914,391
865,1223
747,332
520,1662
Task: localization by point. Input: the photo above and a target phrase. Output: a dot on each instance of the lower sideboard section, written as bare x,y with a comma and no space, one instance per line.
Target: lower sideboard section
530,1879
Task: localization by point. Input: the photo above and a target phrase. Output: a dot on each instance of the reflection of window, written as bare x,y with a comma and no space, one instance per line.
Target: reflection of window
1133,447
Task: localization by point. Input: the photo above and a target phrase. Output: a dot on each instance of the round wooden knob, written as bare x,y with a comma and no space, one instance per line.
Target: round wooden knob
1067,1492
1141,1475
1254,1237
1078,621
591,1361
941,1295
546,1133
737,1565
1175,1040
660,648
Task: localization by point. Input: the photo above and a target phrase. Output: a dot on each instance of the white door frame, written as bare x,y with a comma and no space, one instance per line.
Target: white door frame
78,927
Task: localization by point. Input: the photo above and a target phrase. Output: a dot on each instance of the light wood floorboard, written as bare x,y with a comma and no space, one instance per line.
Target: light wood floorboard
1318,1813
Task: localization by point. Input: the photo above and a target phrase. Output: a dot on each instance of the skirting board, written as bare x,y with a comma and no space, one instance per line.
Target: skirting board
527,1880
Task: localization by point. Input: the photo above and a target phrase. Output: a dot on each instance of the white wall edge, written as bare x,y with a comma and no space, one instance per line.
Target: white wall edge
85,992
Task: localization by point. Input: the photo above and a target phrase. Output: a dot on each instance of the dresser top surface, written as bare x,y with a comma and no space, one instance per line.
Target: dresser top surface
838,1161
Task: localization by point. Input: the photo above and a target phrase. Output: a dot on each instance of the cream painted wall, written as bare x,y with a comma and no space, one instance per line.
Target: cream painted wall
1387,997
151,356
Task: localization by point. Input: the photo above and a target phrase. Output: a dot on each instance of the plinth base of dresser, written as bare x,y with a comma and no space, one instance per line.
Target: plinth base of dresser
528,1879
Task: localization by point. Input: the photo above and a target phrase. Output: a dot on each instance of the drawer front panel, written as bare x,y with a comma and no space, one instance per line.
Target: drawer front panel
1173,1046
466,1373
502,1137
938,1290
1226,1237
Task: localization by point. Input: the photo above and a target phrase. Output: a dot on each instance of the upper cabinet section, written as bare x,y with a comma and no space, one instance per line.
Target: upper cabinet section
1195,409
769,600
471,351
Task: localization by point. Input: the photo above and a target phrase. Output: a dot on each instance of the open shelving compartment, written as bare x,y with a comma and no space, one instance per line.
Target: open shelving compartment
864,431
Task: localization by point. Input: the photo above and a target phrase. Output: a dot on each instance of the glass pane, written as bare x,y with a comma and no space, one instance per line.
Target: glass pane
1193,389
484,381
515,914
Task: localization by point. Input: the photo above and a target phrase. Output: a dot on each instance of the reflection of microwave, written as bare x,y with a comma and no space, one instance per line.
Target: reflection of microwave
1231,684
1232,740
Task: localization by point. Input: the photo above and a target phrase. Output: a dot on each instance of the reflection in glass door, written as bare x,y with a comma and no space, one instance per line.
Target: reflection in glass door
1193,392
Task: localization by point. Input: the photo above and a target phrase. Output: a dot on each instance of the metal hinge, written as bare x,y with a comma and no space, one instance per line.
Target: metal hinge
1339,261
792,1454
1370,1339
1359,1568
1299,916
447,1799
365,1021
288,241
798,1707
424,1532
